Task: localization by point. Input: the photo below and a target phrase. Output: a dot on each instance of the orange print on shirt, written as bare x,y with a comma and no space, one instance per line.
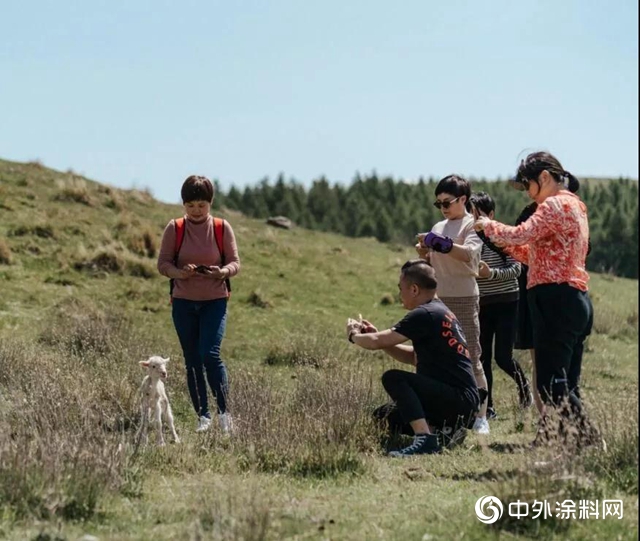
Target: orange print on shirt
447,332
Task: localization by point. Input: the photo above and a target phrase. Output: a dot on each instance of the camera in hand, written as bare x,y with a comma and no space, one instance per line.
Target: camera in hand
437,242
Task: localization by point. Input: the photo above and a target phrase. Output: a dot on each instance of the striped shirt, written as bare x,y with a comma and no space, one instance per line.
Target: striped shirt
502,285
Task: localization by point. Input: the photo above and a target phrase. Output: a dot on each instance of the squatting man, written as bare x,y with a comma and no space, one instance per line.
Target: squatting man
442,392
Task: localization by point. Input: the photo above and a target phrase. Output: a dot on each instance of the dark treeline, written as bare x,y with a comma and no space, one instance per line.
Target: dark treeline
394,210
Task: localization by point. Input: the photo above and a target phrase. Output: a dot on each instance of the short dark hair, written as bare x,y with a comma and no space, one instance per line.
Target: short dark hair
419,272
455,185
197,188
537,162
483,202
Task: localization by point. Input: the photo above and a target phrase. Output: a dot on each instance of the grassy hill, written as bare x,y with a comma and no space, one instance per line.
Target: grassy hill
82,304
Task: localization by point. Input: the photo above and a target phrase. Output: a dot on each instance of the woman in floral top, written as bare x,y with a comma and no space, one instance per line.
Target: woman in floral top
553,243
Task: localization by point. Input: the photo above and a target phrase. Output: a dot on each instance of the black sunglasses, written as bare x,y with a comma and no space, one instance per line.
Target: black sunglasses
522,185
445,204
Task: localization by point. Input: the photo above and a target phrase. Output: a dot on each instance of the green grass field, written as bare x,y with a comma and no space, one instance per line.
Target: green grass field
82,304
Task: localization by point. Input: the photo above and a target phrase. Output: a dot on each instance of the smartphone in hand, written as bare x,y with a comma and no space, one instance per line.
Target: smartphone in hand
203,269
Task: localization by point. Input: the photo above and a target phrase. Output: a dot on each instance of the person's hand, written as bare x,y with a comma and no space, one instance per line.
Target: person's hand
218,273
186,272
367,327
499,243
423,252
480,223
483,270
353,327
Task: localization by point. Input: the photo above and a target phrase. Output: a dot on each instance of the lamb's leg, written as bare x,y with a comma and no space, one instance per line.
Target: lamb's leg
158,422
169,418
143,432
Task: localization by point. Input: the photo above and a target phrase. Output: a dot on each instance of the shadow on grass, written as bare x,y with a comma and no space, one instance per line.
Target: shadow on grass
488,475
499,447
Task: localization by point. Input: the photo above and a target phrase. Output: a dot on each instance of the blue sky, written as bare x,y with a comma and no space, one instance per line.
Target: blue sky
144,93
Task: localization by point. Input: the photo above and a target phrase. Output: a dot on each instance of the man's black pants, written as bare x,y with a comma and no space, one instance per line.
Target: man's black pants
419,397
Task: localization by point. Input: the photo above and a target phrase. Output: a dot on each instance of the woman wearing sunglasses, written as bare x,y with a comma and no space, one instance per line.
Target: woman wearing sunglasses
453,248
553,242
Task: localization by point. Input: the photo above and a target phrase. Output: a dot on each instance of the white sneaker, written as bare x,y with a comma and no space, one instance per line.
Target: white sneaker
226,422
203,424
481,426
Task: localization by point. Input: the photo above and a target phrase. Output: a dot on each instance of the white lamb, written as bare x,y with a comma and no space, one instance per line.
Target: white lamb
154,400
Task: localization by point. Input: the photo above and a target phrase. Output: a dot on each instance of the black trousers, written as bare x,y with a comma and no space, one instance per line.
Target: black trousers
419,397
562,318
499,321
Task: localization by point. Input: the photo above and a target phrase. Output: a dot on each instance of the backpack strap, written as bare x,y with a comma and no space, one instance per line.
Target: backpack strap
180,229
218,233
179,223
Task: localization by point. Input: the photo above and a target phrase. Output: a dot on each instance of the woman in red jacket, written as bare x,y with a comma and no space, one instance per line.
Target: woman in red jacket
553,243
199,306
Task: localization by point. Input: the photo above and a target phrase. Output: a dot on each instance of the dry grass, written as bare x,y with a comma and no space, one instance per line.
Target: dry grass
316,350
387,299
114,259
67,408
42,231
56,460
320,427
560,471
6,257
618,467
139,238
257,298
232,518
73,189
115,200
69,412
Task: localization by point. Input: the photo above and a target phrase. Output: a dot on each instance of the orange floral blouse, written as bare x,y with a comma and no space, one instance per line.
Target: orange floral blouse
553,243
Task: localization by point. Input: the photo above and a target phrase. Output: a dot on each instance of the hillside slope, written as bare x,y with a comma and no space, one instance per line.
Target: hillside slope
69,236
82,304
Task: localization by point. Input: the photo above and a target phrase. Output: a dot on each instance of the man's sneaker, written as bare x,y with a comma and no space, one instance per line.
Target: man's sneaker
423,444
203,424
450,438
481,426
491,414
226,423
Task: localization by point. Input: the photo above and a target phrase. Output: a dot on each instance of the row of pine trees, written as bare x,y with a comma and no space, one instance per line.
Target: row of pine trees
394,211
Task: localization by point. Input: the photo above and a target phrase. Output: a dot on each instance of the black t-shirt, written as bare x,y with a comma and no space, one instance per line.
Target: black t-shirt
439,344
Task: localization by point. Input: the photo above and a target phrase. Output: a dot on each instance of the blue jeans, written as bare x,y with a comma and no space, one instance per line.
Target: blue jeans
200,326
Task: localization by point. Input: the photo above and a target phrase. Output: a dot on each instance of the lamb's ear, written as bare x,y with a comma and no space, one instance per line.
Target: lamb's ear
144,363
166,360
